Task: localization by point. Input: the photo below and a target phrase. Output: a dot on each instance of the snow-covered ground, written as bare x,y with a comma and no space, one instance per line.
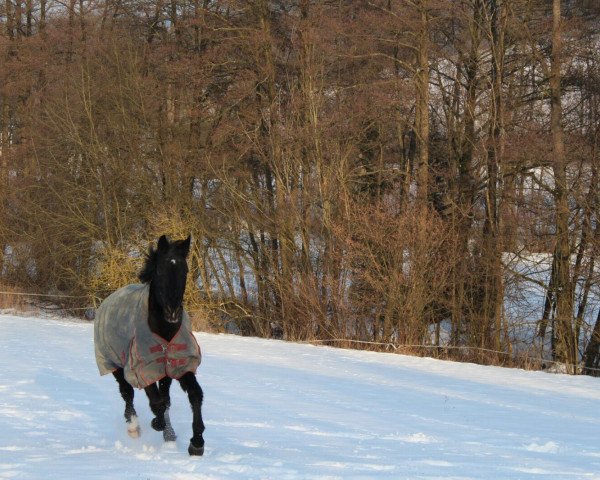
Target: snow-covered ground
276,410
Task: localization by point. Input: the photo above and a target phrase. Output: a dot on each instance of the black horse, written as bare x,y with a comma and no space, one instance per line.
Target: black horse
143,337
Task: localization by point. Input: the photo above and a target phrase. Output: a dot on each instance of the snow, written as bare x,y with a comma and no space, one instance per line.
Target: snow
277,410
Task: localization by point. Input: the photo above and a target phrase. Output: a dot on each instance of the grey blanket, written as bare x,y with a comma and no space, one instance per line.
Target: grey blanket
123,339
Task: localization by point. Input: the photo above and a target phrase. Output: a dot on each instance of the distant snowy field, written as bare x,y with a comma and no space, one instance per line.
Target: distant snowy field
276,410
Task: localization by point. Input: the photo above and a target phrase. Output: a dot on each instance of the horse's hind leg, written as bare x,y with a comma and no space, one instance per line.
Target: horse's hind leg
133,427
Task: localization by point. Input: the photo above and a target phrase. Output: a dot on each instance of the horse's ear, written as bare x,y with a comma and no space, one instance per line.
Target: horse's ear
163,244
185,246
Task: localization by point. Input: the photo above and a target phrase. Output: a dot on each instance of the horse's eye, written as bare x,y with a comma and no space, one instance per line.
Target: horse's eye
173,261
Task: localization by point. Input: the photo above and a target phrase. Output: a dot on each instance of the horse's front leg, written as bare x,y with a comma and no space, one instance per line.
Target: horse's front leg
164,386
190,385
158,405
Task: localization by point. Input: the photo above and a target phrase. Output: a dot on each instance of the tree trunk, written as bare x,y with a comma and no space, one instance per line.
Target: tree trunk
422,105
71,30
10,19
465,190
18,18
492,251
592,351
4,142
199,13
566,344
28,17
154,21
42,26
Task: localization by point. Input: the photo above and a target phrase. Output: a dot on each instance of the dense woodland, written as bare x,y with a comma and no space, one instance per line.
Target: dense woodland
349,170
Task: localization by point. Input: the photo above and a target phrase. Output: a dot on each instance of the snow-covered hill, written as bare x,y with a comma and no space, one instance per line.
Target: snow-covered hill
275,410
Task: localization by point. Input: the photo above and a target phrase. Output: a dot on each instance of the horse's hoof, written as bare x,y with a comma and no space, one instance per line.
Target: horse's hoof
169,435
157,425
196,451
133,427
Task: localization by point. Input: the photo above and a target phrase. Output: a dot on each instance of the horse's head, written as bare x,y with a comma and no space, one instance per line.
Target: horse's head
166,270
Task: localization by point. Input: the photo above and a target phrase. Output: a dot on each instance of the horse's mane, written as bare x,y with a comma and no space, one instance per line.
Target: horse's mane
149,268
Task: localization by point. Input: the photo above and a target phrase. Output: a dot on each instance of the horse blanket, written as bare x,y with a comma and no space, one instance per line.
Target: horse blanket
123,339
